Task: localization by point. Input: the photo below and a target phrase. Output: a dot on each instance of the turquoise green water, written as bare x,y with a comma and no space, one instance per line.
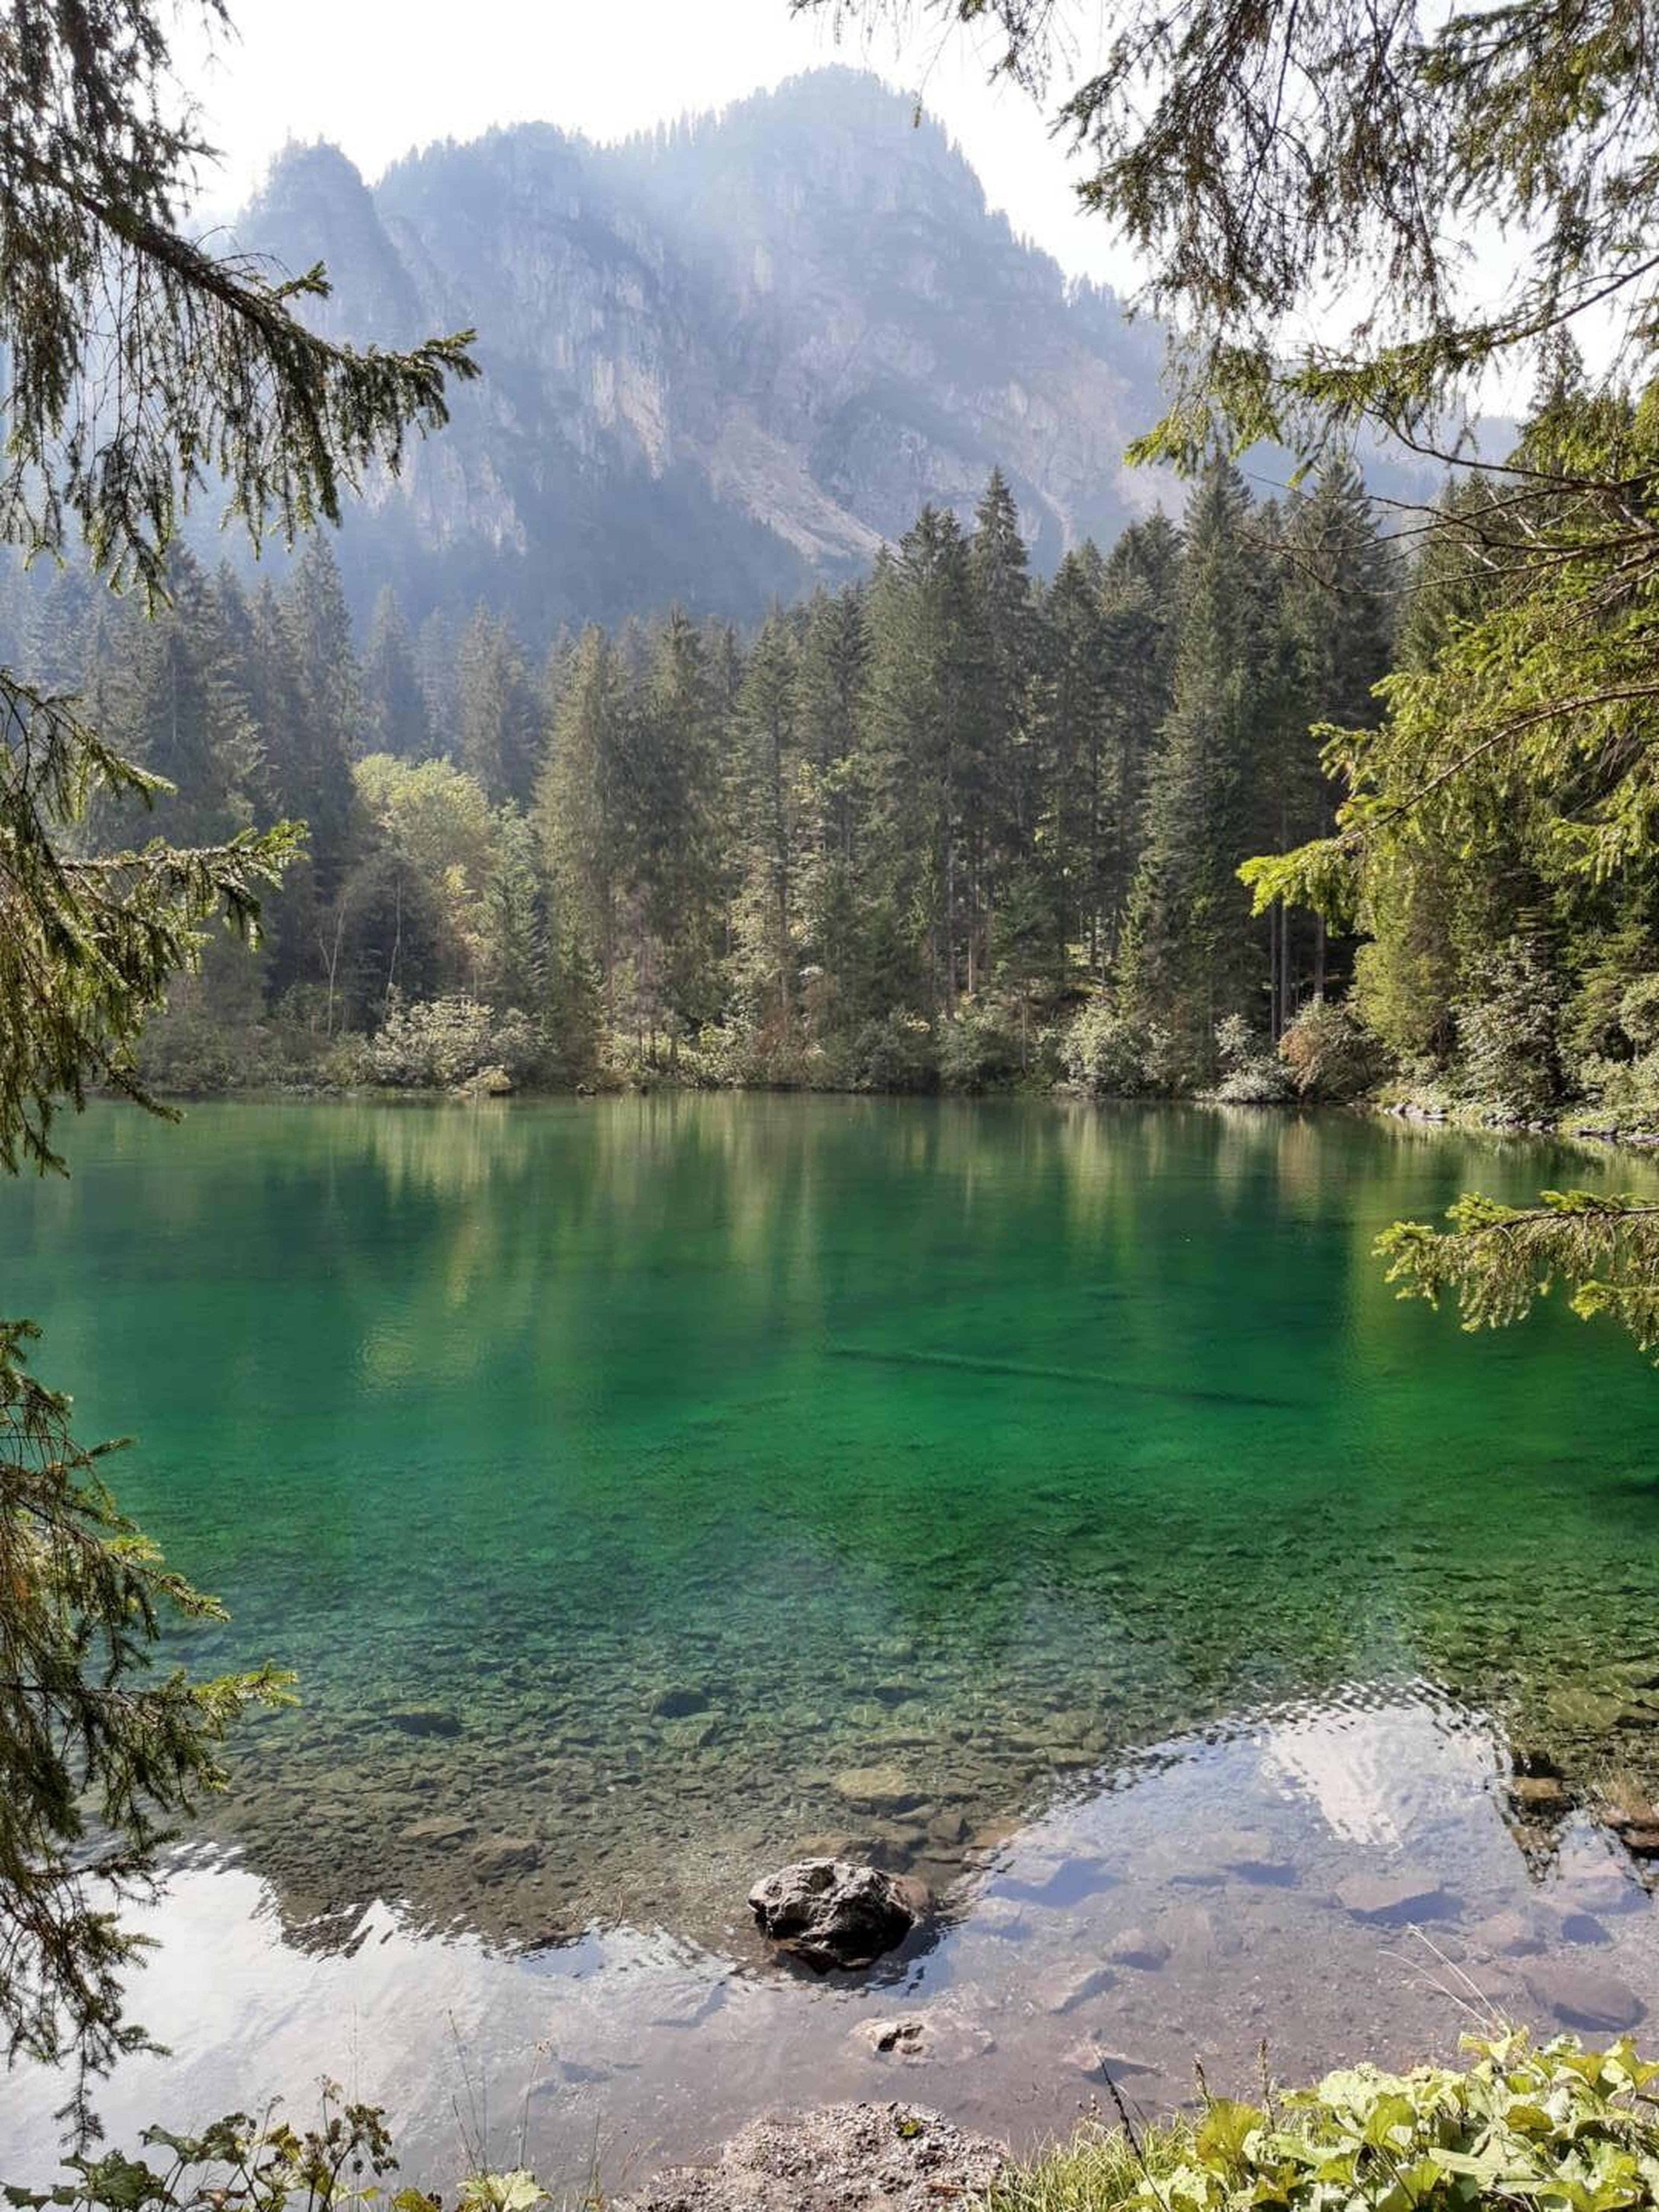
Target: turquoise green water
626,1479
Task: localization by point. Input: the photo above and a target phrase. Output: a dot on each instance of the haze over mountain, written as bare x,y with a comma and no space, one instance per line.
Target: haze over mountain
720,362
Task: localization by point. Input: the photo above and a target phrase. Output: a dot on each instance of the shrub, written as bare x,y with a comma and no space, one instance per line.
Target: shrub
1638,1014
1628,1089
1519,2129
444,1041
977,1053
895,1054
1110,1057
1507,1035
1250,1074
1329,1054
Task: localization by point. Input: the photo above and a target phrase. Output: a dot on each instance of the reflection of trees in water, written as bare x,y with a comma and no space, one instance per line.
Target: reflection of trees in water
987,1441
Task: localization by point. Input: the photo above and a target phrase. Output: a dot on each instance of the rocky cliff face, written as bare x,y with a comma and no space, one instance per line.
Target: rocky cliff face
720,362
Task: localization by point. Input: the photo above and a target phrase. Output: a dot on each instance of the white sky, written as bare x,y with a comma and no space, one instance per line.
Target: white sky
378,77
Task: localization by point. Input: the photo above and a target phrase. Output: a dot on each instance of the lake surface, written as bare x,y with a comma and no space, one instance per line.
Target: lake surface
1051,1501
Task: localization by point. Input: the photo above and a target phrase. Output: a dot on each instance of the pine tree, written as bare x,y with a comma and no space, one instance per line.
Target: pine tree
514,920
833,689
768,802
1065,889
309,759
395,717
926,716
581,813
678,862
497,735
100,1748
1192,957
1331,632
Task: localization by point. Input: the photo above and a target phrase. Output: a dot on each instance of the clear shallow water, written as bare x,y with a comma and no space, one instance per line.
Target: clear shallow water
1052,1501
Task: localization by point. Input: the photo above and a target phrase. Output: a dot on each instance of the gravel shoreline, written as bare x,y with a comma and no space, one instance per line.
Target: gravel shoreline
839,2158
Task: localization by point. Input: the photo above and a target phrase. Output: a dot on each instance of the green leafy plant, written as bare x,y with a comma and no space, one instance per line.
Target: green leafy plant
1526,2126
346,2163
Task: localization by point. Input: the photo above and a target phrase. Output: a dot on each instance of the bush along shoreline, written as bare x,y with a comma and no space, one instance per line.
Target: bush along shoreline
1325,1056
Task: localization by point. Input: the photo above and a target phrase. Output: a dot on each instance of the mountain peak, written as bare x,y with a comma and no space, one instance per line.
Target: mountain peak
720,359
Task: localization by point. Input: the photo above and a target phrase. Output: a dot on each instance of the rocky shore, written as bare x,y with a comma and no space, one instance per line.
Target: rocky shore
842,2158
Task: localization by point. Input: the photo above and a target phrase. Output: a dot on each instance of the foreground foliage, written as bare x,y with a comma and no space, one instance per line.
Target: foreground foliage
1520,2127
346,2163
241,2164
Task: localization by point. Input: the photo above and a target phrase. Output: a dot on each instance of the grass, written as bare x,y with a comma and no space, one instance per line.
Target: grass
1097,2170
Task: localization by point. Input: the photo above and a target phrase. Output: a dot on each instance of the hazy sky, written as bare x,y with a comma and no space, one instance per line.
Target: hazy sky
378,77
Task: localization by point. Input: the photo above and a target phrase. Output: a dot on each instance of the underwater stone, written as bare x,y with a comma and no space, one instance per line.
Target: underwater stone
1584,1996
439,1828
876,1788
829,1912
1405,1895
1538,1793
426,1720
1506,1934
1088,2058
680,1701
1136,1948
501,1855
902,2037
1066,1987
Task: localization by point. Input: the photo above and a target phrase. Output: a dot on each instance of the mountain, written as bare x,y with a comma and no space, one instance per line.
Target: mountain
720,362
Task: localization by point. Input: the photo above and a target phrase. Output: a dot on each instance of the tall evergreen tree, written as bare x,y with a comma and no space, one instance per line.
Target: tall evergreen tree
769,802
833,688
1192,956
497,734
582,813
927,717
395,713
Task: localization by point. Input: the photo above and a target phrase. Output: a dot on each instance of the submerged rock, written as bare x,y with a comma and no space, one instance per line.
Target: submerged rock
426,1720
847,2158
946,2034
1407,1894
1136,1947
680,1701
1064,1988
440,1828
1540,1793
1583,1995
829,1912
876,1788
498,1855
1092,2058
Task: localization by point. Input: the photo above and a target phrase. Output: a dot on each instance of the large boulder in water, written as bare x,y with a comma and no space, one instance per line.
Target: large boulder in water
829,1912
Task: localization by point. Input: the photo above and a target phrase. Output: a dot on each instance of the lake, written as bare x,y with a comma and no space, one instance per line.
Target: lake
1051,1501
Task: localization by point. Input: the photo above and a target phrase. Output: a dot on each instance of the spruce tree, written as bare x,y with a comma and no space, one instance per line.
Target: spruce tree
395,717
582,813
769,802
1192,956
497,732
833,689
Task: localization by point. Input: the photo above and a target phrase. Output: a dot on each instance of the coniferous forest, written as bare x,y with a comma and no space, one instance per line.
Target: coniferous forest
953,824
